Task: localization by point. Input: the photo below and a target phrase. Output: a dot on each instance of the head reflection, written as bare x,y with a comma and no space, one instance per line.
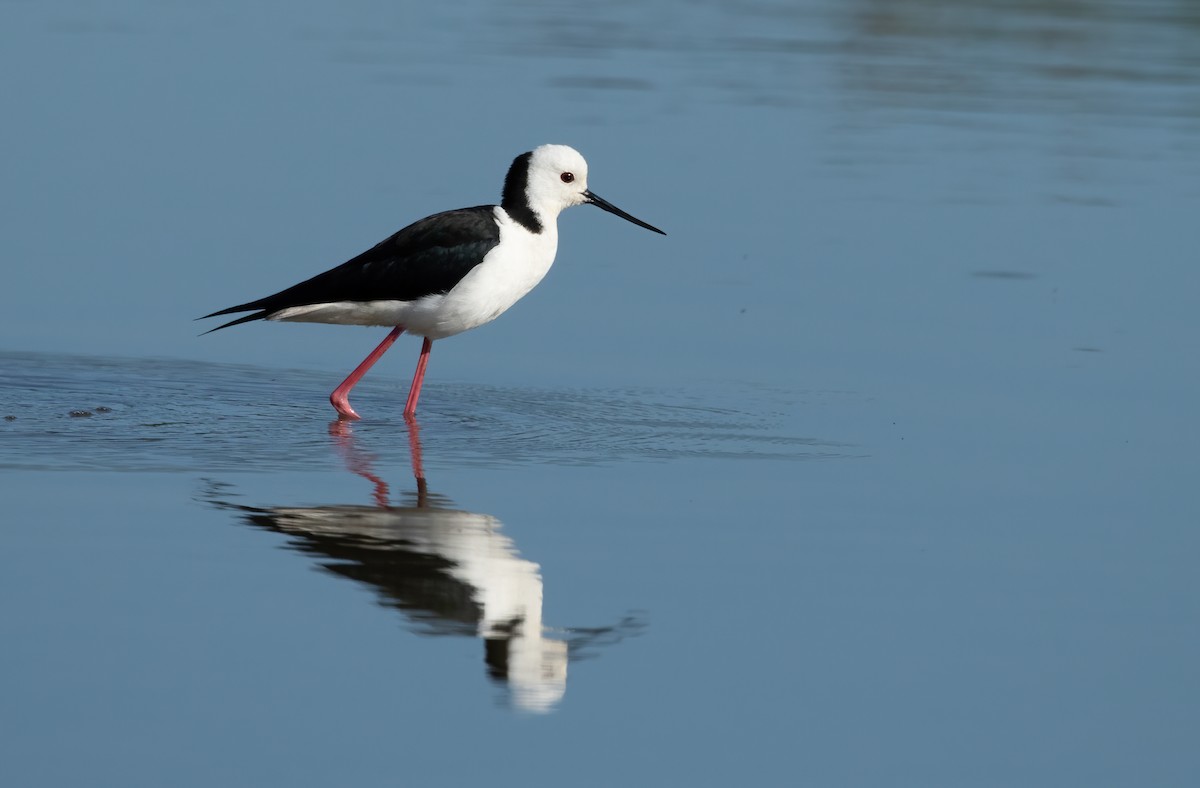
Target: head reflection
449,571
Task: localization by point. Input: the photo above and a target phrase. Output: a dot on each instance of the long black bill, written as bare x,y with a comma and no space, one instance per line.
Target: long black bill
606,205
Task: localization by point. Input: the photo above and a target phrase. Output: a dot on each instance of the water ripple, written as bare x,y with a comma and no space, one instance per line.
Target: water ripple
161,414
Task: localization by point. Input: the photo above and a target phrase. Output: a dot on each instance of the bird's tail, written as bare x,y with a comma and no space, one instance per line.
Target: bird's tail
243,319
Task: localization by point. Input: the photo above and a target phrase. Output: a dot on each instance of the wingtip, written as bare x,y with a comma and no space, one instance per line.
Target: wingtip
243,319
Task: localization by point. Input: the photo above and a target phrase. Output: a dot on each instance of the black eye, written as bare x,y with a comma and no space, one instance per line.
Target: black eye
567,177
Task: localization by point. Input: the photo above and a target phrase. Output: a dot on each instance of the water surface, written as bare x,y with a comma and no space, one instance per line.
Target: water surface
877,470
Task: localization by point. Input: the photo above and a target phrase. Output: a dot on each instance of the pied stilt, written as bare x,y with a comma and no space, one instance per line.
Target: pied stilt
446,273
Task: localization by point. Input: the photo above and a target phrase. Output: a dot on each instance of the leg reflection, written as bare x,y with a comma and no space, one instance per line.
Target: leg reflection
445,570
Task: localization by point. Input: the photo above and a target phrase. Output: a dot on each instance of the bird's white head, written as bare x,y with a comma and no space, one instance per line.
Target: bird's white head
557,179
541,183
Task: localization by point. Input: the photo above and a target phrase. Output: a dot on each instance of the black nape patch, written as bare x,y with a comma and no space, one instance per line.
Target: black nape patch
515,201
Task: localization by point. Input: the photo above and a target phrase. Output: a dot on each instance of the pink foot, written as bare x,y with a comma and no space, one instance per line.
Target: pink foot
341,403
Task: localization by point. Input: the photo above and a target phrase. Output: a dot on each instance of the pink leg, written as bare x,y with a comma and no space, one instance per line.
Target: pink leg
410,407
340,398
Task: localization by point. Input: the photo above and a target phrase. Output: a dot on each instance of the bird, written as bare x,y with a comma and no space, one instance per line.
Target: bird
444,274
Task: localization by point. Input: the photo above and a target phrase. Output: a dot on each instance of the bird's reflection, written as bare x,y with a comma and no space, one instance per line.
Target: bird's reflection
449,571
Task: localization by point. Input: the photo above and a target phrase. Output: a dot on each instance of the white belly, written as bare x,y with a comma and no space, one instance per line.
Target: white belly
507,273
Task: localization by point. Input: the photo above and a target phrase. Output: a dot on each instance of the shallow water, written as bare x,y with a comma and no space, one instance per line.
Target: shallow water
877,470
110,414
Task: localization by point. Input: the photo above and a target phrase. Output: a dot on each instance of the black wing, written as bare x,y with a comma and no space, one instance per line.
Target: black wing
427,257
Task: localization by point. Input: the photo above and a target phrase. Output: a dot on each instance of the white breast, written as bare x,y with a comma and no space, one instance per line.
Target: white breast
507,273
510,270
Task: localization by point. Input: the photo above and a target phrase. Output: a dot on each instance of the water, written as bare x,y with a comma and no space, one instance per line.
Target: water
876,470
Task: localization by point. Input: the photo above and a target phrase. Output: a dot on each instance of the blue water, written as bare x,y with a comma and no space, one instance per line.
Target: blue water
877,470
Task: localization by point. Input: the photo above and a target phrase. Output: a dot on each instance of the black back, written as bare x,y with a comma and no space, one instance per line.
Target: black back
428,257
